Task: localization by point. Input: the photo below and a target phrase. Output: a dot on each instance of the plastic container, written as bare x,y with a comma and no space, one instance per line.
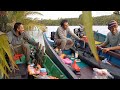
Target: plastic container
76,54
43,71
67,61
60,52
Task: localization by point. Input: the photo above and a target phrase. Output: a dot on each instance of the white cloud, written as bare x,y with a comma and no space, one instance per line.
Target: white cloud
67,14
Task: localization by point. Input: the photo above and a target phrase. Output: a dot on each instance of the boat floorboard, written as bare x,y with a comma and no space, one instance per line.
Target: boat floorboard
86,73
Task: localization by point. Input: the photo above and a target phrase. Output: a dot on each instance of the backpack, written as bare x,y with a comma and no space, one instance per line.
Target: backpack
52,36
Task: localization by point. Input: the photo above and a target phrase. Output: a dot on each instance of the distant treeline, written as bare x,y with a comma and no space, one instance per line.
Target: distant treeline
100,20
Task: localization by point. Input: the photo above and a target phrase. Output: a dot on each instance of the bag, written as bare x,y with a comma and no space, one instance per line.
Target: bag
52,35
101,74
67,61
17,56
75,66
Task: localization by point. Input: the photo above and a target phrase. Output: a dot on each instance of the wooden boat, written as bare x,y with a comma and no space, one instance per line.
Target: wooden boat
43,59
99,37
86,57
86,70
112,57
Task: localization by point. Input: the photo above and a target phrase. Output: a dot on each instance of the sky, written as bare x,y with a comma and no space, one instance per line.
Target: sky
66,14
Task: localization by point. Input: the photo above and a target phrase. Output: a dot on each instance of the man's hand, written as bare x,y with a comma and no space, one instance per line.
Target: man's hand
84,38
69,42
105,50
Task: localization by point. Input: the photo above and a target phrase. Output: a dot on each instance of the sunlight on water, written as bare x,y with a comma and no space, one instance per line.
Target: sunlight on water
38,35
101,29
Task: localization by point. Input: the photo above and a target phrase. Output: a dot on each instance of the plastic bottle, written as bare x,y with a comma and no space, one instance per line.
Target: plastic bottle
76,54
43,74
60,52
72,55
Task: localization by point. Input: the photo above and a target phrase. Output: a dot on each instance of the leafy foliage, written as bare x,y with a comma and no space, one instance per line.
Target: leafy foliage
5,49
21,16
88,22
99,20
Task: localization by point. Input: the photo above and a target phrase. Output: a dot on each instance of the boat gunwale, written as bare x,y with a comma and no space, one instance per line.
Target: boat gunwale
58,58
114,54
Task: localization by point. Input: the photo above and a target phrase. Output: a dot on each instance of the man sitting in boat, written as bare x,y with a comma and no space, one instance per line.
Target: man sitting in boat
61,39
19,41
113,37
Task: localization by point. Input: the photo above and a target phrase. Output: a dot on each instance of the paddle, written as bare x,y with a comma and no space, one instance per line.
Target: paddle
88,22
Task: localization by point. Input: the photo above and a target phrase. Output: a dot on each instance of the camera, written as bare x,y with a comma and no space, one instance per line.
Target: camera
79,32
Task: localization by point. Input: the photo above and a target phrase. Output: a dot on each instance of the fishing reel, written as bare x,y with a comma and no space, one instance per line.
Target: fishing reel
79,32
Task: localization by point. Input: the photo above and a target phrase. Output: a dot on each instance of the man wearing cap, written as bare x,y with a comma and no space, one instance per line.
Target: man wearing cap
113,37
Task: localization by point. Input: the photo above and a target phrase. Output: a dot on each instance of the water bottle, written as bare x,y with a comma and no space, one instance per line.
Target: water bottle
76,54
60,52
43,74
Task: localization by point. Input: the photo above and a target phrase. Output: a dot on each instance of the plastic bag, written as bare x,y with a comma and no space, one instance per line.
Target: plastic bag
75,66
17,56
101,74
67,61
106,61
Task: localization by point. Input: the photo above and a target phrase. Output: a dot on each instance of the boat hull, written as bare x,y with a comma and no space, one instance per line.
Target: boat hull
115,71
51,53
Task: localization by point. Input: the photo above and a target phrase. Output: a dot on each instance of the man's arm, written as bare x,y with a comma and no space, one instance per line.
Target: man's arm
29,39
73,35
111,48
114,48
103,44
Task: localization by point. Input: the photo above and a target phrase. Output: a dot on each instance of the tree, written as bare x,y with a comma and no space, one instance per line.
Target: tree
21,16
4,46
3,21
8,18
116,12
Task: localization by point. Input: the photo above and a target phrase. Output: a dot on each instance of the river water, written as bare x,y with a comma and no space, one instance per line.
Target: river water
38,35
